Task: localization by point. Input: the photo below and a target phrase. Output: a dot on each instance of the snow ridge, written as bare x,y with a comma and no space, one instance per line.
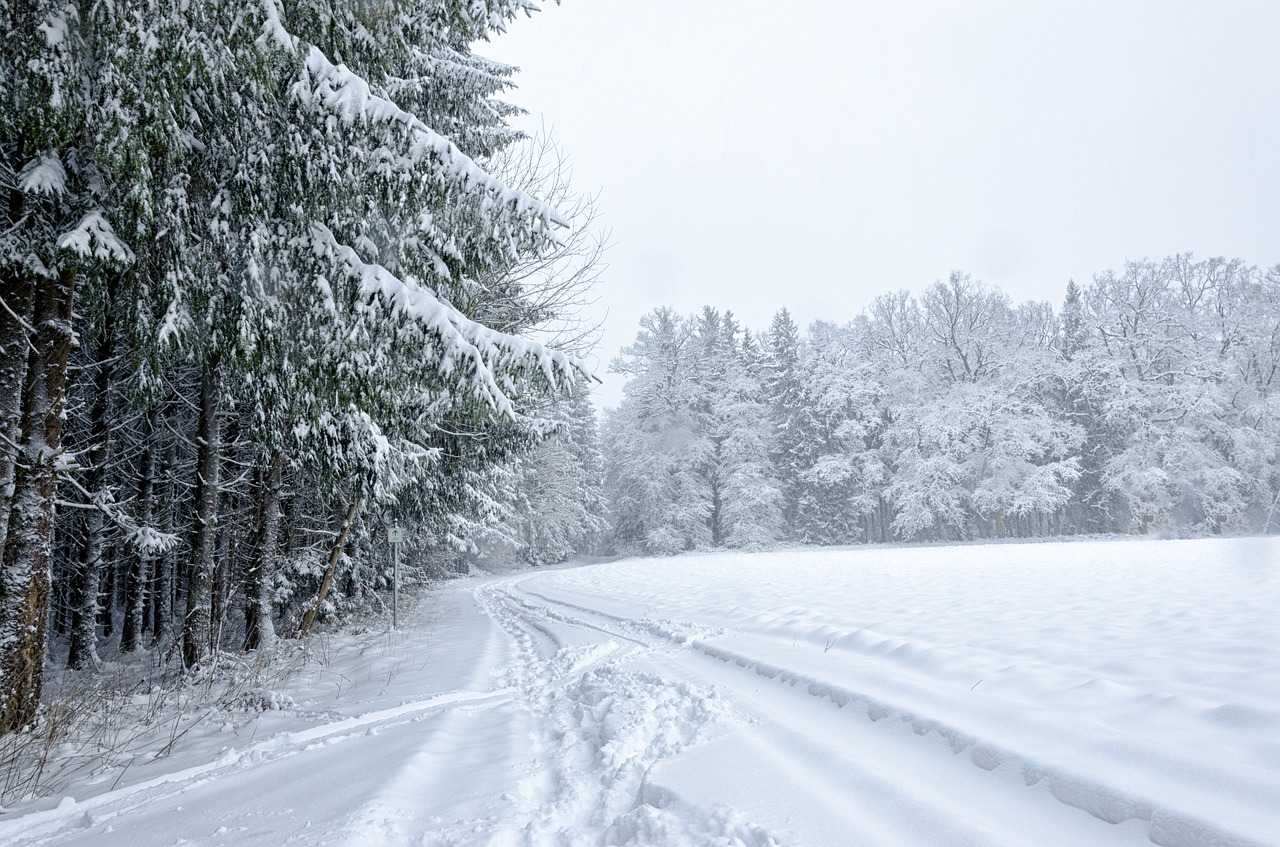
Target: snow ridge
1167,827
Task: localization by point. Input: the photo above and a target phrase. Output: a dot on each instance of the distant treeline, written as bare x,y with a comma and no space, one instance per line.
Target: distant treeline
1147,403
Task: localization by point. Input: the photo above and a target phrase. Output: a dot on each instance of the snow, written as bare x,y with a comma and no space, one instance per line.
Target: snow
484,349
94,238
44,175
1095,692
274,29
57,27
349,95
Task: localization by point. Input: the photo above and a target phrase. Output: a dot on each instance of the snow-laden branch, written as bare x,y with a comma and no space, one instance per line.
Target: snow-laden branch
148,540
94,238
44,175
463,341
349,95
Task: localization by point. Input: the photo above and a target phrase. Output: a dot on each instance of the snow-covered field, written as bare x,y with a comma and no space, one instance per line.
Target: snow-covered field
1090,693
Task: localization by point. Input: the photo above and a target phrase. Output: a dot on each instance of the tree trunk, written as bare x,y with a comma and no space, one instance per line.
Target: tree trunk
334,555
107,592
61,580
162,596
24,580
259,629
135,584
84,632
196,629
15,315
223,577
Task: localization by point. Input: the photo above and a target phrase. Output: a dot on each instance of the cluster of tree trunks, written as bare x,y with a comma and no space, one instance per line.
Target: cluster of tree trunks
85,563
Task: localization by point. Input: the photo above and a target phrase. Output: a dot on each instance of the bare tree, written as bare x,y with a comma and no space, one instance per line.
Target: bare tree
552,292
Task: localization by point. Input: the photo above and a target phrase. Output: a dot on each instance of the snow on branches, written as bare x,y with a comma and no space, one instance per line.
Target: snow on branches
484,355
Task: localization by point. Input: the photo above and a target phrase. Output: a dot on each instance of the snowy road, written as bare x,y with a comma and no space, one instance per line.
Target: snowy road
1118,693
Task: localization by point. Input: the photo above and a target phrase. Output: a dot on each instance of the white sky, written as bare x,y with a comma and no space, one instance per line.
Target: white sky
752,155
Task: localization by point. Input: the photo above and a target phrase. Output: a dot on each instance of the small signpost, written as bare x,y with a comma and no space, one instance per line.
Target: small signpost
395,536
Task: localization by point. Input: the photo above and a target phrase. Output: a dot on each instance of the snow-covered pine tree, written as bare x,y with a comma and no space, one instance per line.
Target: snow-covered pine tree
783,390
1090,508
348,217
309,233
74,153
656,449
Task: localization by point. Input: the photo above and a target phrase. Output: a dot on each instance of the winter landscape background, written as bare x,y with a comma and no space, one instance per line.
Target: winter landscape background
950,558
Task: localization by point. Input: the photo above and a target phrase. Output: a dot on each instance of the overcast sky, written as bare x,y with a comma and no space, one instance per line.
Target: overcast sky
752,155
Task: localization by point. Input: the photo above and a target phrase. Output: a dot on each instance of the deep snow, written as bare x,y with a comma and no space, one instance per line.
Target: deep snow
1088,693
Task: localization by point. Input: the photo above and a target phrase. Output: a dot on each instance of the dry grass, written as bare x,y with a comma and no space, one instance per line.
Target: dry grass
94,727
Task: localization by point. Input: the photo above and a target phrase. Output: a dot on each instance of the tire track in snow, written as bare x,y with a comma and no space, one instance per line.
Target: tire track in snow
1164,825
605,722
802,761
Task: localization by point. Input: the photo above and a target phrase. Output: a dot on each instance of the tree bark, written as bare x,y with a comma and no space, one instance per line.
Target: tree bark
15,315
259,629
196,629
24,579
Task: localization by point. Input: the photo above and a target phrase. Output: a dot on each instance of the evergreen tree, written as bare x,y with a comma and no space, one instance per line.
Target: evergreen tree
310,256
783,390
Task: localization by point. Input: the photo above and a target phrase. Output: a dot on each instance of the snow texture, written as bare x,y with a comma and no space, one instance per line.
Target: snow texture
94,238
45,175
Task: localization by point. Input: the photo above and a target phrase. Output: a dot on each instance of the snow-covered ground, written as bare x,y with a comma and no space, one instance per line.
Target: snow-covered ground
1091,693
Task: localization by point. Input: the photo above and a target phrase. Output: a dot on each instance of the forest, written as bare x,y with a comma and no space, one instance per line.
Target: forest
278,276
1146,404
269,275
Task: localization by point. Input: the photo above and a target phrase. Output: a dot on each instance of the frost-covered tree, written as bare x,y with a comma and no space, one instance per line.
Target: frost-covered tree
557,506
843,494
1148,404
658,450
689,448
783,390
1180,448
747,495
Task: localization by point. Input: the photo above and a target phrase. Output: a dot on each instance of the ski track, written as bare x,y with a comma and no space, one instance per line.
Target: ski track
573,724
1162,824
